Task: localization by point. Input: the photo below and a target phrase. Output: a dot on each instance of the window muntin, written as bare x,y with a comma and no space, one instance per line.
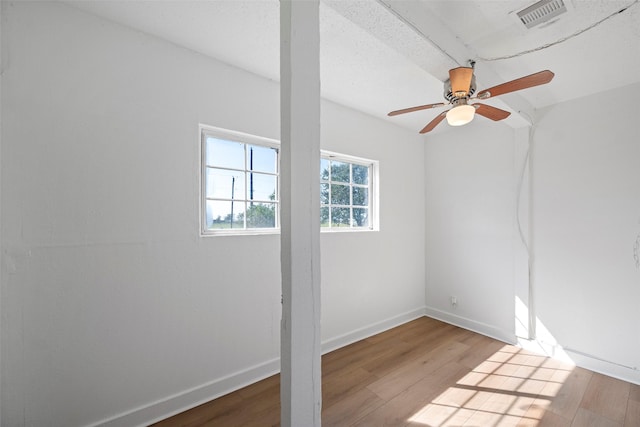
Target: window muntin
240,183
346,193
240,186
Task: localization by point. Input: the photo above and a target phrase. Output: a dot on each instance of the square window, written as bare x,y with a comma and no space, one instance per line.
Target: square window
346,193
239,183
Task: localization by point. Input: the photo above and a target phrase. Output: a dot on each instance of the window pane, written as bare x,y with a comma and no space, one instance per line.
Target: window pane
324,169
360,217
339,194
224,184
360,196
261,158
261,215
324,194
263,186
339,171
224,215
227,154
345,192
239,183
360,174
324,217
340,217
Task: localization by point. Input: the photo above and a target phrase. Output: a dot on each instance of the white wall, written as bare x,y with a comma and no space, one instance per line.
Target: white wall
471,236
389,264
113,307
586,220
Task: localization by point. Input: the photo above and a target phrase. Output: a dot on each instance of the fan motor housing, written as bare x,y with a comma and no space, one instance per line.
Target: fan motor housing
451,97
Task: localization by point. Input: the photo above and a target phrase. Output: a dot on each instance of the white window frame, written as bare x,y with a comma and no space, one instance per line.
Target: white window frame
373,165
243,138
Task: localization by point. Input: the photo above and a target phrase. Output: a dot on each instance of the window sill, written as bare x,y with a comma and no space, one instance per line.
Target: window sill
347,230
277,232
252,232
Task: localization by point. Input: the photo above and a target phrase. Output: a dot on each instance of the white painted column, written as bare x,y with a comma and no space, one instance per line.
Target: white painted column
300,388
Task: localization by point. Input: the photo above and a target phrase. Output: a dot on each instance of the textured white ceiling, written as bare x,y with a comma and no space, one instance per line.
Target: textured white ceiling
378,56
602,58
377,65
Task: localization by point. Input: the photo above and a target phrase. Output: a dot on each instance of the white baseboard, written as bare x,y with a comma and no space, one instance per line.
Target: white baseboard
191,398
578,358
472,325
611,369
583,360
370,330
188,399
180,402
587,361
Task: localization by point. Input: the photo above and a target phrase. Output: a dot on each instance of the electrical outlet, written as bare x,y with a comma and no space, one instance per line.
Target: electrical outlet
454,301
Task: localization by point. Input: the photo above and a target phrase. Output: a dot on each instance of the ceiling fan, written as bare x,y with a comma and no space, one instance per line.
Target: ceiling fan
459,90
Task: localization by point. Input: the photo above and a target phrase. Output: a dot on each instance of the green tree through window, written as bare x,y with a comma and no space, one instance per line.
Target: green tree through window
240,186
261,215
344,194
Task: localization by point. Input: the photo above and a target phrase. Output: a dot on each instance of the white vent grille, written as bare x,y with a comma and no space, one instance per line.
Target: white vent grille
541,12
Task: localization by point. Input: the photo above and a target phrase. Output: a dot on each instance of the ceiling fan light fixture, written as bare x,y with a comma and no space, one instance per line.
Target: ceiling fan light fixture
459,90
460,115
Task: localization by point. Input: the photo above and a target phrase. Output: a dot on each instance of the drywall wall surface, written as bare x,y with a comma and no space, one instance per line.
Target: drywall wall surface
586,228
385,280
115,310
113,301
471,176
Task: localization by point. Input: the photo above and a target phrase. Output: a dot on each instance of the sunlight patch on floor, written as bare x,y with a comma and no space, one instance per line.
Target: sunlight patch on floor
545,343
511,387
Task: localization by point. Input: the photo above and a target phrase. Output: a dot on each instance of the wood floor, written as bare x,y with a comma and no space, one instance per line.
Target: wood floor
428,373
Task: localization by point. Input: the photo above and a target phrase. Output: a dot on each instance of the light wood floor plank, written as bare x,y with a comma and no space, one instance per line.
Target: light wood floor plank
428,373
549,419
566,393
350,409
634,392
632,417
607,397
343,384
586,418
400,379
398,410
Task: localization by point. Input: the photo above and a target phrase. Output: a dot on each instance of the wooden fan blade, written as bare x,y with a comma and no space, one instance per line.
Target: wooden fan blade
433,123
460,79
532,80
418,108
490,112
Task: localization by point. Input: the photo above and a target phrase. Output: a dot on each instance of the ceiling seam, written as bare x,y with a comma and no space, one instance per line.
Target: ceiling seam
561,40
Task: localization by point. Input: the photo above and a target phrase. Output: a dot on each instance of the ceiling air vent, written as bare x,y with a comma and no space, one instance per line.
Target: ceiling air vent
541,12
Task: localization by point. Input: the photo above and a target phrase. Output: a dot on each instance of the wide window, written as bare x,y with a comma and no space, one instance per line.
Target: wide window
240,186
346,193
239,183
